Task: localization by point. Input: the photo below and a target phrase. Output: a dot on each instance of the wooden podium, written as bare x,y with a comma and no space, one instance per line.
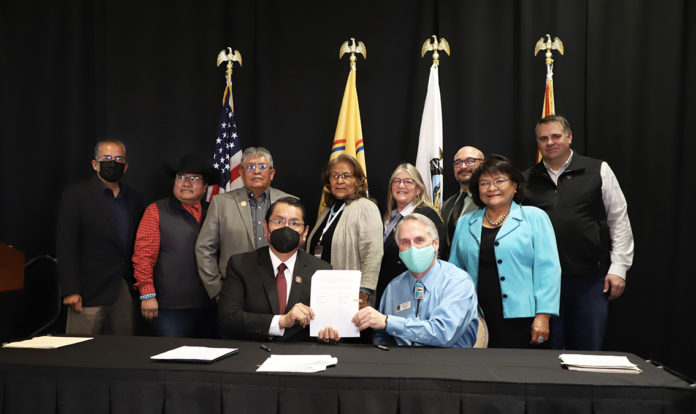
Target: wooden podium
11,268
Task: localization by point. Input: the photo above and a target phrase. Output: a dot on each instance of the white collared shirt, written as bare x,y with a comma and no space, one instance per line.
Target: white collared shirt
274,329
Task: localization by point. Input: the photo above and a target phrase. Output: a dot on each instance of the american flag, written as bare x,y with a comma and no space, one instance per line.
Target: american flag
228,151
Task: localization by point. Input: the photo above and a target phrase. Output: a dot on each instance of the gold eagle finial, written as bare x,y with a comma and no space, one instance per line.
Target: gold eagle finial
434,45
352,47
548,46
229,56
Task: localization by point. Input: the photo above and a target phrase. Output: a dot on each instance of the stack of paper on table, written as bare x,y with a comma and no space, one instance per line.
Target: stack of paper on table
46,342
297,363
612,364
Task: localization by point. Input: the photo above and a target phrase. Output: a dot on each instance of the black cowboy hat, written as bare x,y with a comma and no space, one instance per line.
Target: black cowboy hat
193,164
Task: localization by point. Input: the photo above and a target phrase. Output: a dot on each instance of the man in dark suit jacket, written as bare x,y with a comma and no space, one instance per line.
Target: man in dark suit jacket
96,228
266,291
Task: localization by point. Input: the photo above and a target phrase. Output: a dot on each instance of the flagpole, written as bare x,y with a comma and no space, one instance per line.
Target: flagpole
227,154
348,138
549,107
429,155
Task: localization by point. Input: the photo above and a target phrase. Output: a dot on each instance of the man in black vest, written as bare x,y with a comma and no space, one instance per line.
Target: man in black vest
94,242
172,295
466,161
589,214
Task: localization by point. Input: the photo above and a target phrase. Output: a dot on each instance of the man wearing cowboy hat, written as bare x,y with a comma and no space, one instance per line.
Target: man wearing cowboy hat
172,295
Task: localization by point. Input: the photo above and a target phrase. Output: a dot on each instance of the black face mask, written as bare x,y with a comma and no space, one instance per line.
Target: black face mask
285,239
111,171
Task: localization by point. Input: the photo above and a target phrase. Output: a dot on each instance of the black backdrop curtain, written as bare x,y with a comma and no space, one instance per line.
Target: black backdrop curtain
72,72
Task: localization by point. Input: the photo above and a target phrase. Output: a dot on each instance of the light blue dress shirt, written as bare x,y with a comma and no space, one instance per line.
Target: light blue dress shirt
446,315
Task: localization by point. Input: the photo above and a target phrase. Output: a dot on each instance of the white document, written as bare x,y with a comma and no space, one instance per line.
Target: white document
194,354
599,363
46,342
297,363
334,299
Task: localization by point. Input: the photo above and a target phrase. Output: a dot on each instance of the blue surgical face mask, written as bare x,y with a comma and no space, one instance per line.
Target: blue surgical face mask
418,260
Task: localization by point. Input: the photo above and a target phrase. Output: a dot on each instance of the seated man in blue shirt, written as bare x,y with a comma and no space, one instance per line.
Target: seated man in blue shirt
433,303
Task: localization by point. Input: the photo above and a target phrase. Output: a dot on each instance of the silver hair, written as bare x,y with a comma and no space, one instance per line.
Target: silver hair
97,147
255,152
429,225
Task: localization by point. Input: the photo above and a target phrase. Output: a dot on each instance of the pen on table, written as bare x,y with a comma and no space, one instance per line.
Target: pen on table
382,347
265,348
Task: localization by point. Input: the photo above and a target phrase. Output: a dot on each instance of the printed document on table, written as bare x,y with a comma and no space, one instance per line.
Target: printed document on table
599,363
334,299
46,342
297,363
195,354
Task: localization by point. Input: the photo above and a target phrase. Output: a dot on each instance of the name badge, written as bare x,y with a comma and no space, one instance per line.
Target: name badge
317,251
403,306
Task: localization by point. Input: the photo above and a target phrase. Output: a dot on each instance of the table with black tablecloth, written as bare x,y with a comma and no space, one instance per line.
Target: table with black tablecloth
113,374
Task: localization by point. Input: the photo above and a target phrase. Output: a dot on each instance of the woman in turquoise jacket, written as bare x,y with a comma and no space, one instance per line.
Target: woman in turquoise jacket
510,252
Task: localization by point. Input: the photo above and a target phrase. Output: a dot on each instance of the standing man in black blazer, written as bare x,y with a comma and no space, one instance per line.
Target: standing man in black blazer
96,229
265,295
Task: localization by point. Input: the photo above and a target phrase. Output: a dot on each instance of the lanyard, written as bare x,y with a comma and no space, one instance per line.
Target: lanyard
332,217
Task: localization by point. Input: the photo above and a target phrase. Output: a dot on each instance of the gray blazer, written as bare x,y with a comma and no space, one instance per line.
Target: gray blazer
227,230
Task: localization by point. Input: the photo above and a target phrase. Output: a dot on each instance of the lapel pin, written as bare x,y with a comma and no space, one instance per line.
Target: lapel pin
298,279
243,203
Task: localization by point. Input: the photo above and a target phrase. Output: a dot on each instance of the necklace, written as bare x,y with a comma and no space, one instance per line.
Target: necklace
496,223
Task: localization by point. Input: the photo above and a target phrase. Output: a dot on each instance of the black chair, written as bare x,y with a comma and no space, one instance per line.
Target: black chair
42,297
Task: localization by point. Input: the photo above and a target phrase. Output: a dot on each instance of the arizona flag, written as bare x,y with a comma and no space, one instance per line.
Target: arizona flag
429,157
228,151
549,104
348,138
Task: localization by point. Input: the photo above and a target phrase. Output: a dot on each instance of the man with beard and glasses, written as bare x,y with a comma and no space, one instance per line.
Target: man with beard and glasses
97,222
466,161
265,294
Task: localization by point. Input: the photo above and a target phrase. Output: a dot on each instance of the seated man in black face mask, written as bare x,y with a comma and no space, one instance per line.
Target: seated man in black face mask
265,295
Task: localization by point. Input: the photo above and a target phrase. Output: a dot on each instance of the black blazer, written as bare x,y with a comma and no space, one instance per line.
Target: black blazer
249,297
92,257
391,263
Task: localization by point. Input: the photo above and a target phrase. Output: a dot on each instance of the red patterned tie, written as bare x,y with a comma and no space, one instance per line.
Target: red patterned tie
282,286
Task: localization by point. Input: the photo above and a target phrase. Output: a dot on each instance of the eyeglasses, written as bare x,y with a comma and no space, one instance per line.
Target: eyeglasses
498,182
253,167
345,176
467,161
193,179
405,181
295,224
118,158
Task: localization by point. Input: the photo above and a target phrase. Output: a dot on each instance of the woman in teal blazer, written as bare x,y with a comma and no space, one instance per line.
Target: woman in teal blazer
510,252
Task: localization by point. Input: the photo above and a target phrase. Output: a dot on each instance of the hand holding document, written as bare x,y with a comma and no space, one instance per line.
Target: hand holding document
297,363
334,299
46,342
612,364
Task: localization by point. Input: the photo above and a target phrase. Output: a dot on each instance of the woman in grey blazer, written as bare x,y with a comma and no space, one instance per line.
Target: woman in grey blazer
348,233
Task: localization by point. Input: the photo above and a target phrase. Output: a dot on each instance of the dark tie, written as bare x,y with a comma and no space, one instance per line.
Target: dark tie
282,286
455,213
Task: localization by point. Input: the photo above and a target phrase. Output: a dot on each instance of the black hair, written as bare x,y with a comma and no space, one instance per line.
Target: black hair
496,164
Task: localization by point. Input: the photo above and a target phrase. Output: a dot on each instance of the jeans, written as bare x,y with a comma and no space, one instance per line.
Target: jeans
186,323
583,313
